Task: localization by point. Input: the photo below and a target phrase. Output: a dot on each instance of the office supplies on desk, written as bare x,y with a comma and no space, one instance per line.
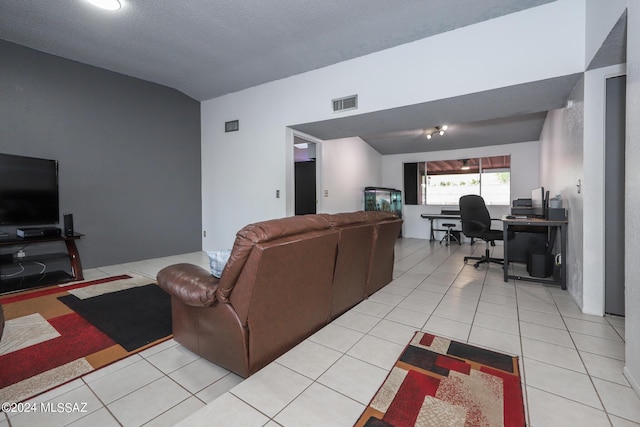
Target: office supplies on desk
539,203
521,207
558,214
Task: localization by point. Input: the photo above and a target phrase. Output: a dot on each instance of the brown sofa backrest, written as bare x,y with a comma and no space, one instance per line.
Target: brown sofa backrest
352,262
356,253
348,218
381,268
259,232
283,293
377,216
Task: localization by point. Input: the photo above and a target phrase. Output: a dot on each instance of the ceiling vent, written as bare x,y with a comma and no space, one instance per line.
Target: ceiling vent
346,103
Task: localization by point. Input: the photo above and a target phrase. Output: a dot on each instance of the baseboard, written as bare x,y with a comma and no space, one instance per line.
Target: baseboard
635,385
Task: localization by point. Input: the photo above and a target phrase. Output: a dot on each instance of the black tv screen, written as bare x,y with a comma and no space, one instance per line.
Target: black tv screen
28,191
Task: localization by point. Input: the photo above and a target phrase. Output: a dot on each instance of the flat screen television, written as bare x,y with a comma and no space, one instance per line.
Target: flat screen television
538,202
28,191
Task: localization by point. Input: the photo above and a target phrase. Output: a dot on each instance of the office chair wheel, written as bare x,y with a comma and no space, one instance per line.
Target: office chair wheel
479,260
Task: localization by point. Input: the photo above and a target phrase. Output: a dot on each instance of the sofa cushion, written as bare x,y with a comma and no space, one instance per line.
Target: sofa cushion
217,260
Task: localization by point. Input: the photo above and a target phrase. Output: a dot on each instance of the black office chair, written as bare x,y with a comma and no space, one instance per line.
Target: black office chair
476,223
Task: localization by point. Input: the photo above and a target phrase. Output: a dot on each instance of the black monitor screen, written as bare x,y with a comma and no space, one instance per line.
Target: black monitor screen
537,202
28,191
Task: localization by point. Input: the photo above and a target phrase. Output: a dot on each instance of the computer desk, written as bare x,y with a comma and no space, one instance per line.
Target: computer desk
431,217
553,226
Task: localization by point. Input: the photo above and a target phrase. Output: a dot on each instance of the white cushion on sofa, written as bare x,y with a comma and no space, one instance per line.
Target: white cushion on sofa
217,260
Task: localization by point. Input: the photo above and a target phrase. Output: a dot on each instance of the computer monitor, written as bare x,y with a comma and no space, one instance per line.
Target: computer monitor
538,202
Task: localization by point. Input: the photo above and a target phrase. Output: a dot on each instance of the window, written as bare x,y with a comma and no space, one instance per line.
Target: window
443,182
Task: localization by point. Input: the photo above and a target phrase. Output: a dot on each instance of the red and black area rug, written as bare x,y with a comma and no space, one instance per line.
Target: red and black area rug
440,382
56,334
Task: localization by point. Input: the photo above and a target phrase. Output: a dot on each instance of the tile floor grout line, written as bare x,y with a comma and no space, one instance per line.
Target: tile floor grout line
522,355
584,365
104,405
433,261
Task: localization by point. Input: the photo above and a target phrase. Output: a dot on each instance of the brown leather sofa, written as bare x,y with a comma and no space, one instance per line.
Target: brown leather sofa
362,265
285,279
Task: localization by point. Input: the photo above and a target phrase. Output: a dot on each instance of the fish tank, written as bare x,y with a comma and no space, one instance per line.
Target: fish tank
383,199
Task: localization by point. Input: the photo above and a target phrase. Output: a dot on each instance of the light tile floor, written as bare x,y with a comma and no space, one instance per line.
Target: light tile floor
571,362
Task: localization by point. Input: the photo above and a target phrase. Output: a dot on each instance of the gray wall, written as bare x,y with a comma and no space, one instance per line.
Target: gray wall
128,152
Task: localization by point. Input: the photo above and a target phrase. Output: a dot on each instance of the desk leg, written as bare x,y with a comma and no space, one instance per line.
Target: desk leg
74,256
563,255
431,236
505,246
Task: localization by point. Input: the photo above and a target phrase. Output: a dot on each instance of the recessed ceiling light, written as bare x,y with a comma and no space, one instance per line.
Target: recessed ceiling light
106,4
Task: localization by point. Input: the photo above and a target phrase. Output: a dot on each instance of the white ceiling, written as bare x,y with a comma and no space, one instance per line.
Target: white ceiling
209,48
501,116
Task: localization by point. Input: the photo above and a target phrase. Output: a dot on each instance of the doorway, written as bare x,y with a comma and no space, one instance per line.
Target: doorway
305,173
614,186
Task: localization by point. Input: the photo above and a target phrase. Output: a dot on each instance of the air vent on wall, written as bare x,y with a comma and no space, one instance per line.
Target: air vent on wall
346,103
232,126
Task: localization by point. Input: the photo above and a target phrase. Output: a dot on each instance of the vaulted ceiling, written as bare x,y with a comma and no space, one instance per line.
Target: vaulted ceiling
207,48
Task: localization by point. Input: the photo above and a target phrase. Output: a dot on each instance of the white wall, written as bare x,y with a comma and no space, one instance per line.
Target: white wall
242,170
572,153
348,165
632,200
561,169
524,178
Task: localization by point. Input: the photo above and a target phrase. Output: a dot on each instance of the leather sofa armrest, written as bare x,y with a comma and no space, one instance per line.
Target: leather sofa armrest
189,283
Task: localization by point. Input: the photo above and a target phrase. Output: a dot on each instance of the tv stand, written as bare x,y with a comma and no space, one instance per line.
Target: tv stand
56,276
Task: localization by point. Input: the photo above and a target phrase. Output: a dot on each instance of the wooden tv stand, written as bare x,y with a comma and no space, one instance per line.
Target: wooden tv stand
8,284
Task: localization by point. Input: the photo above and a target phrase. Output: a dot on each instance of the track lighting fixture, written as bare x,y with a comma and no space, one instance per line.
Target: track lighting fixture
439,130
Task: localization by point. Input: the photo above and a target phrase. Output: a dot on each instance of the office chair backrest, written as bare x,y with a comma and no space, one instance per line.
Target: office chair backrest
474,215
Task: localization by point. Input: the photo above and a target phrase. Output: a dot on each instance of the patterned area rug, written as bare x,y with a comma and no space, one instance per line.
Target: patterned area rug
440,382
56,334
